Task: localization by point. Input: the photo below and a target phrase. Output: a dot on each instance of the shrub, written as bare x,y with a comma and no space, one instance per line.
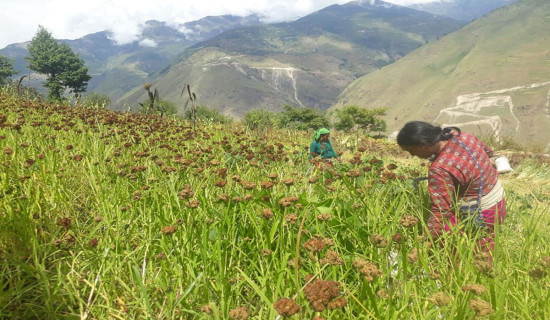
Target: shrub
260,119
207,114
96,100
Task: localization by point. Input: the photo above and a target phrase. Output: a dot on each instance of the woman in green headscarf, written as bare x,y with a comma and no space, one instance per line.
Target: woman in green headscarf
322,148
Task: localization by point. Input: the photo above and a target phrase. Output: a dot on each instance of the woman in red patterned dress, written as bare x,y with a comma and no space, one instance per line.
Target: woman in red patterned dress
462,182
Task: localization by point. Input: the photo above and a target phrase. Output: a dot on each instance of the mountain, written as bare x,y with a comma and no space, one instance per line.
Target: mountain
466,10
307,62
490,77
116,69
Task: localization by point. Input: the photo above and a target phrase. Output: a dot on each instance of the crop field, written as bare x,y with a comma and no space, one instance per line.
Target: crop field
111,215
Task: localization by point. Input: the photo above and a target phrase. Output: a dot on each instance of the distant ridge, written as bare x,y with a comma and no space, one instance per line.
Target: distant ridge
307,62
490,77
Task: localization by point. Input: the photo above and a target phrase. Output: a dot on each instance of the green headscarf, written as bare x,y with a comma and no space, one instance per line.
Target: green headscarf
320,132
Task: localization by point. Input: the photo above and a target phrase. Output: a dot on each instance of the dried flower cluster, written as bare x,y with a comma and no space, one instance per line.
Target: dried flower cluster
324,294
481,307
408,221
286,307
240,313
440,299
477,289
368,269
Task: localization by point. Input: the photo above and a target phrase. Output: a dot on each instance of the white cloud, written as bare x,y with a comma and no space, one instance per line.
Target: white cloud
148,43
70,19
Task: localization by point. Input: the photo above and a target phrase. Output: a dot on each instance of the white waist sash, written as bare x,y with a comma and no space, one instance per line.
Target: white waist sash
490,199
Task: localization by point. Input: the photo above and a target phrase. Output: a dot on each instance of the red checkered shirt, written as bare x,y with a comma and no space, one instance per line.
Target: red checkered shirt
454,175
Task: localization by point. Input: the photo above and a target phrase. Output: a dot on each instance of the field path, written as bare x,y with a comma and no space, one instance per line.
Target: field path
472,106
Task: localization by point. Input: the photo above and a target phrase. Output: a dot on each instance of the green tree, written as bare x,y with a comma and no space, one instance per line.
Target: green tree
207,114
302,118
64,68
354,118
6,69
259,119
96,100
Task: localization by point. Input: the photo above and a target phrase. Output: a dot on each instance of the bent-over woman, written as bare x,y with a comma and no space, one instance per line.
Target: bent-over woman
461,176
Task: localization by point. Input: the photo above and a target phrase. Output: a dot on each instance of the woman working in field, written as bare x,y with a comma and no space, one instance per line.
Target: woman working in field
461,176
322,148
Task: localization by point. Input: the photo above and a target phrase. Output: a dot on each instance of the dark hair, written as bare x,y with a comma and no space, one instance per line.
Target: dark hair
419,133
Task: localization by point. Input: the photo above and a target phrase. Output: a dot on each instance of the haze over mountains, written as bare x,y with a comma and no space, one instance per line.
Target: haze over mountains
307,62
490,77
466,10
116,69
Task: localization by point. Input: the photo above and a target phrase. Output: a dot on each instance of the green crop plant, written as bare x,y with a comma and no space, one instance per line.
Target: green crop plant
111,215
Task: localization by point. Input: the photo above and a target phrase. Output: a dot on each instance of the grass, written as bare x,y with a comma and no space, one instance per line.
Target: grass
107,215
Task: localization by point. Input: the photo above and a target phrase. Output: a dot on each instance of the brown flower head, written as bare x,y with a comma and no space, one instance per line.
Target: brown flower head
545,262
537,273
267,184
321,293
481,307
240,313
93,242
324,216
272,176
207,308
193,203
265,252
291,218
168,230
331,258
248,185
378,240
368,269
357,205
288,201
440,299
266,213
222,172
289,182
220,183
408,221
475,288
382,294
222,197
286,307
412,256
64,222
353,173
313,179
186,193
398,237
314,245
483,263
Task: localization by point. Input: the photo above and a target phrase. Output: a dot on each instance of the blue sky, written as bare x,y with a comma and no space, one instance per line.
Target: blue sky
72,19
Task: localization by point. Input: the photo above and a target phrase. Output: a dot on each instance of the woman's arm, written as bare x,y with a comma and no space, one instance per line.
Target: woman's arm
442,190
487,149
314,149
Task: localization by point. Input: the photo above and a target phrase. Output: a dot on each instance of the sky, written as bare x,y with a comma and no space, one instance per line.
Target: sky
72,19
